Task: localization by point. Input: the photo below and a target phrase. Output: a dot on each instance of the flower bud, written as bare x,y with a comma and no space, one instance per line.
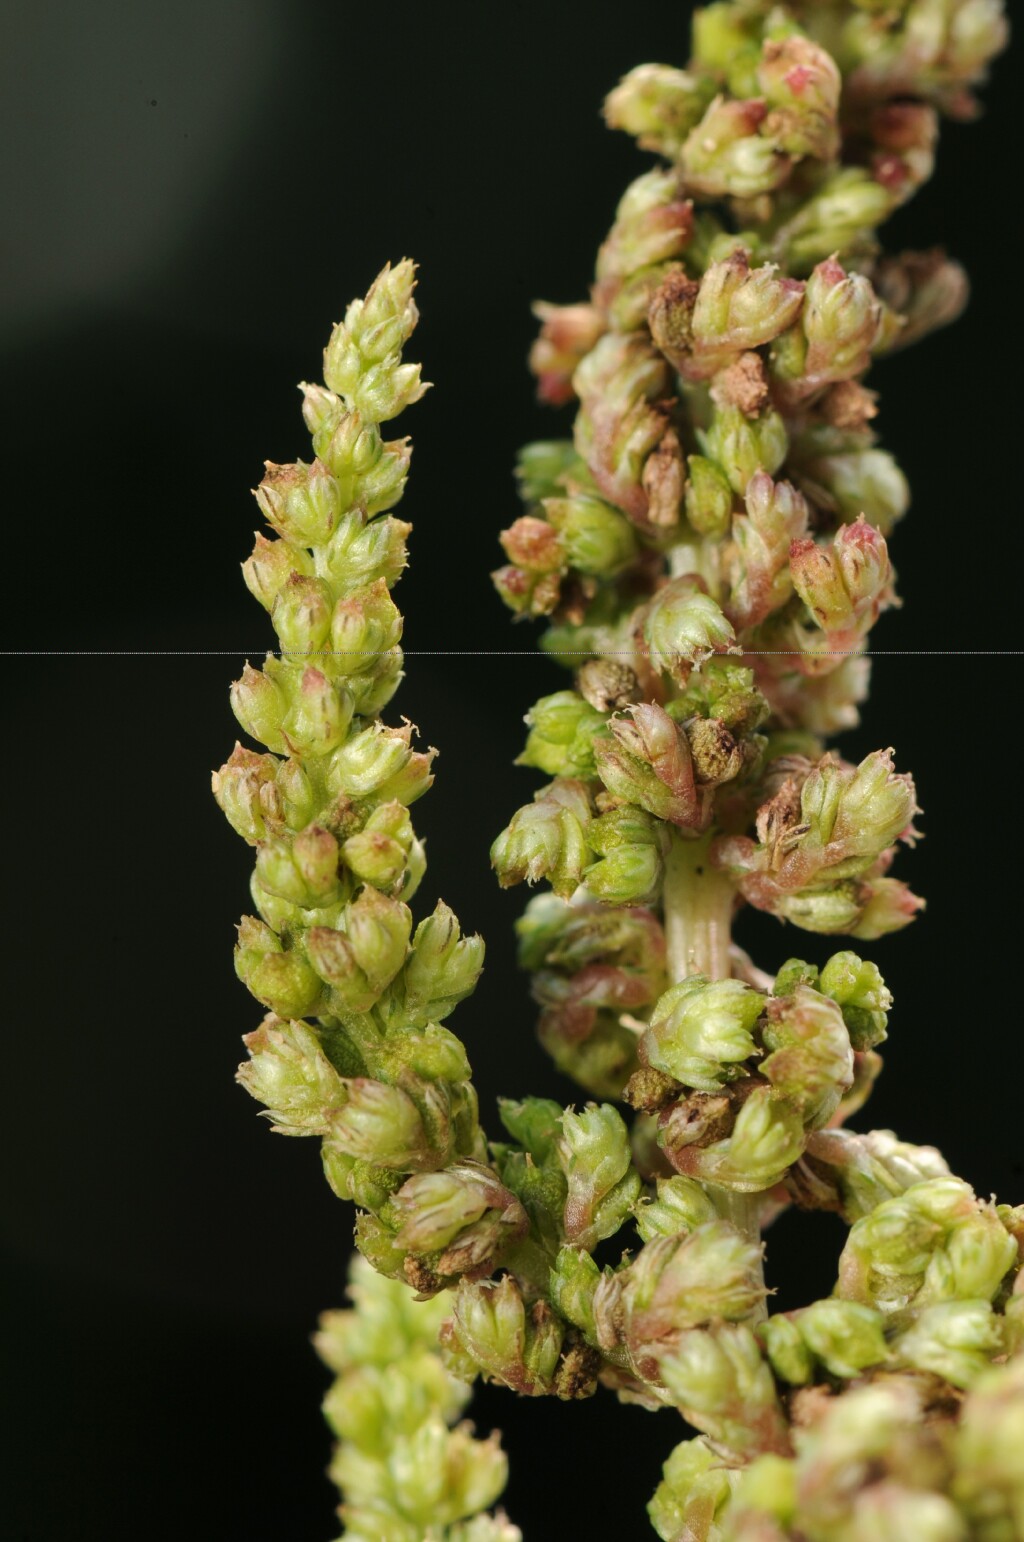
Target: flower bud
289,1072
692,1494
847,587
371,475
378,763
842,1336
381,1124
776,517
562,729
362,358
246,790
302,615
535,1123
724,1388
491,1323
431,1210
725,157
573,1280
364,627
382,851
839,217
742,446
677,1283
270,567
988,1484
646,760
842,321
546,839
868,1169
682,627
259,706
442,970
862,996
653,223
708,498
856,484
630,846
620,385
303,870
810,1063
595,537
593,1151
361,958
956,1340
279,978
363,551
886,905
567,334
303,503
739,308
926,289
658,106
700,1031
801,85
680,1207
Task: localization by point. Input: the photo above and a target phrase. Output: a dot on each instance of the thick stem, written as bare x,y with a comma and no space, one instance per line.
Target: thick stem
697,905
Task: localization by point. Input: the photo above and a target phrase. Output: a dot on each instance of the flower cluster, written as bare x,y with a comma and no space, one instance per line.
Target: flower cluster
710,552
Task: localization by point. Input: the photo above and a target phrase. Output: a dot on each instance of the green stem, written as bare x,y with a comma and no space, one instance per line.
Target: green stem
697,903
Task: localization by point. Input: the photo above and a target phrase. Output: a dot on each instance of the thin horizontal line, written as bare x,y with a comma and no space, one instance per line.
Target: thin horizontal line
492,653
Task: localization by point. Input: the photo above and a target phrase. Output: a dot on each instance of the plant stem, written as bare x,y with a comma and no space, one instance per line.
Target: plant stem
698,903
697,915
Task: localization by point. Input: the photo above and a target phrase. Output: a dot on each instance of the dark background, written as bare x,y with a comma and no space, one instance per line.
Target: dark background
193,191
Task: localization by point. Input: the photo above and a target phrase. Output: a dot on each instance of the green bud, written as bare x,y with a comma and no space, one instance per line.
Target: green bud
381,1124
319,715
279,978
491,1323
788,1353
840,217
547,839
776,517
724,690
270,567
858,483
708,498
378,763
593,1151
766,1139
303,503
988,1483
595,538
442,970
694,1489
630,845
681,1206
653,222
700,1031
737,309
573,1280
801,85
302,615
371,475
842,322
362,359
360,958
658,106
259,706
384,850
303,870
724,1387
562,728
542,467
725,156
810,1063
432,1210
646,760
956,1340
364,626
867,1169
742,446
246,789
536,1123
682,627
677,1283
289,1072
862,996
844,1336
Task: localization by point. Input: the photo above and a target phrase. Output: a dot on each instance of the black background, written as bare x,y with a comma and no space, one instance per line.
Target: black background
193,191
